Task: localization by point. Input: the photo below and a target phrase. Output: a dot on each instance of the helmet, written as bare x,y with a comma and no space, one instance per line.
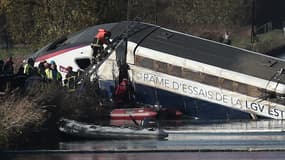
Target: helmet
101,30
52,62
69,68
30,61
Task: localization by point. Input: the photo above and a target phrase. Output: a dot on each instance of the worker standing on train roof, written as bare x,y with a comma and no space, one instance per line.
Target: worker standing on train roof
102,37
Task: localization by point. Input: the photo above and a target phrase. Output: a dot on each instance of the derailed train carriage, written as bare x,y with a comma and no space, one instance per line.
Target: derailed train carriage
202,78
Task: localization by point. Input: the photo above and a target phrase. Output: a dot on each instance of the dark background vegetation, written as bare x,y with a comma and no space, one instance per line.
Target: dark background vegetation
33,23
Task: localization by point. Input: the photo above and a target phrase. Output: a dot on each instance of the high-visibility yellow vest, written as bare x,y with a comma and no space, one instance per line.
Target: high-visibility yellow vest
28,69
49,74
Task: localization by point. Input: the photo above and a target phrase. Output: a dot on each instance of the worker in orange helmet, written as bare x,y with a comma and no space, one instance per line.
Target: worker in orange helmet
102,37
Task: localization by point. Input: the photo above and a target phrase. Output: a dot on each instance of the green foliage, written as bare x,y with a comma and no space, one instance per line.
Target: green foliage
196,12
38,21
267,41
184,15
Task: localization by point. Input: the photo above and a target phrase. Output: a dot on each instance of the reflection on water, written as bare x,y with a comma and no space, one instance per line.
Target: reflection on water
187,140
240,135
183,142
156,156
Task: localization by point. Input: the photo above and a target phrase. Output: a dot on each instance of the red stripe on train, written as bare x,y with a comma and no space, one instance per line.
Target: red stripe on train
50,55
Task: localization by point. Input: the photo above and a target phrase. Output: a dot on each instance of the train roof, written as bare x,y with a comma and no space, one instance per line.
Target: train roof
180,45
80,38
205,51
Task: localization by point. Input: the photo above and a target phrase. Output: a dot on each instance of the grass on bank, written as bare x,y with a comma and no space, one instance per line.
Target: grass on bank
264,43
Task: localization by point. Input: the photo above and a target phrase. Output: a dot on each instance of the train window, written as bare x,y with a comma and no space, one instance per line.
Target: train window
57,43
254,91
226,84
138,59
242,88
174,70
147,63
211,80
144,62
202,77
189,74
83,63
160,66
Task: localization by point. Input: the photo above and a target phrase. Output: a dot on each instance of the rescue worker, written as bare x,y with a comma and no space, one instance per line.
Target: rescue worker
21,70
2,79
70,72
48,71
122,92
8,71
79,73
41,69
1,66
34,80
227,38
19,78
70,78
29,67
8,67
52,73
102,37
